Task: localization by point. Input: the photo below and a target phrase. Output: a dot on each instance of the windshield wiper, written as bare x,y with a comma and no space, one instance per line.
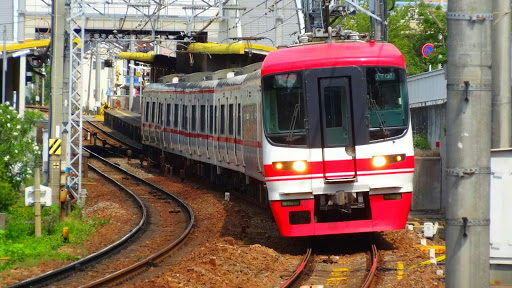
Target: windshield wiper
375,108
294,120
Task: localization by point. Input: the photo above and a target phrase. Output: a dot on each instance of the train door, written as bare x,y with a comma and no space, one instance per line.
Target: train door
152,126
145,126
337,129
167,130
238,127
231,137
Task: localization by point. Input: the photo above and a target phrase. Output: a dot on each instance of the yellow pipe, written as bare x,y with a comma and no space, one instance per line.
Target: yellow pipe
26,45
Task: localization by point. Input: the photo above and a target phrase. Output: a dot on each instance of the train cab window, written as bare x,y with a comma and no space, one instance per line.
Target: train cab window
388,102
176,116
211,120
336,115
202,120
168,115
146,111
153,112
284,109
239,119
230,120
184,118
194,118
222,119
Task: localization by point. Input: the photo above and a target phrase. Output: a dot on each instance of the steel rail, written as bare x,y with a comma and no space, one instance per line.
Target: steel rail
144,264
138,149
370,276
51,276
300,269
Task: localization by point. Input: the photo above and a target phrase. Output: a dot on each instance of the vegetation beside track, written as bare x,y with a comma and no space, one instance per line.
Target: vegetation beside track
19,247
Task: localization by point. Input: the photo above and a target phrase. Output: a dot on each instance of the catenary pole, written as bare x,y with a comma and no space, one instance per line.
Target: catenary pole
468,118
501,98
57,105
130,73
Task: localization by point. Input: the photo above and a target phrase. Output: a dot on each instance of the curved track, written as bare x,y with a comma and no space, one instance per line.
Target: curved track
51,276
149,225
334,271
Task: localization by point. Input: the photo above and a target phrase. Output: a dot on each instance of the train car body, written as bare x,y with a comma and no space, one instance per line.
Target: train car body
325,127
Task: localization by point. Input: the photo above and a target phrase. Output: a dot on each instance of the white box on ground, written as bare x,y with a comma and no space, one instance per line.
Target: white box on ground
428,229
46,196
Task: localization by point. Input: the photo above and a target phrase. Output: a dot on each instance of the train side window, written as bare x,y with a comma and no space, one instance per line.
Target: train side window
239,120
215,120
211,119
184,118
230,120
222,119
176,110
146,111
153,112
168,118
202,122
194,118
160,114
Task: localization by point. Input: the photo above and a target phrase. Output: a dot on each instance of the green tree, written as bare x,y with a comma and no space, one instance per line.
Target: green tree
19,152
409,28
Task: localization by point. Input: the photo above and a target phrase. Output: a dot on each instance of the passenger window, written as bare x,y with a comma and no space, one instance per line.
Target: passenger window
153,112
222,119
168,118
230,120
176,117
239,119
211,119
184,118
194,117
202,122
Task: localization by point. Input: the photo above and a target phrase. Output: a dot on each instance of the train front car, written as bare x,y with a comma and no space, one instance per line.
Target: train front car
337,148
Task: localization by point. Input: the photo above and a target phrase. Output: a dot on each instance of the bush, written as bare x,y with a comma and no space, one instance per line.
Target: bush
18,243
420,141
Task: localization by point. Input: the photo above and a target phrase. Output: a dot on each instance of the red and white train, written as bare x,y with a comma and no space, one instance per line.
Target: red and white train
325,128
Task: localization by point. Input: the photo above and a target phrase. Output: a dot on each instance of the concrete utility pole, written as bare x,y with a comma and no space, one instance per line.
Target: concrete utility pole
23,58
130,73
97,93
57,105
501,98
37,203
468,118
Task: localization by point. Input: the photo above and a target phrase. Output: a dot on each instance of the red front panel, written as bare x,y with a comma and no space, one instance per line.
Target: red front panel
386,215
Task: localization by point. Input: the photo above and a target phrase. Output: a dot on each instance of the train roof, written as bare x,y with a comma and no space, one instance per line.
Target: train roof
332,55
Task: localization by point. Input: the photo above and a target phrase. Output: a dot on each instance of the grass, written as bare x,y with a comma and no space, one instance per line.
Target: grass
23,249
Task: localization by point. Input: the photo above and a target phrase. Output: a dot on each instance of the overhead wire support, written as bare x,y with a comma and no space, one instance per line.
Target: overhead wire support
75,125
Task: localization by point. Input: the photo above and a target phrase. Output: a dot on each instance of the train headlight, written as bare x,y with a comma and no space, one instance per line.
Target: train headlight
381,160
378,161
299,166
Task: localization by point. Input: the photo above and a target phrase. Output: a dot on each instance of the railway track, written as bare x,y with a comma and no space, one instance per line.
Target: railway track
335,271
166,223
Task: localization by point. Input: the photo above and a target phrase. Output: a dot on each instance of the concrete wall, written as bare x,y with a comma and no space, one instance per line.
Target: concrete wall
427,194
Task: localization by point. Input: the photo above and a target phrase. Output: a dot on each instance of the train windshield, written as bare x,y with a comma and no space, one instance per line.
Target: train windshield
283,109
388,103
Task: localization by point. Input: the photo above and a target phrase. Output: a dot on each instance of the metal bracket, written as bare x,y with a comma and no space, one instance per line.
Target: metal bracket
472,17
461,172
467,222
470,87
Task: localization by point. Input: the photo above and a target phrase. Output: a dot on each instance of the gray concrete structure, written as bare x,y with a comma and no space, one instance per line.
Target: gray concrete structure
427,193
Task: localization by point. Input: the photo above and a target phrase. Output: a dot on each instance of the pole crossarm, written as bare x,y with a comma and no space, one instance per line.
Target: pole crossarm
76,52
